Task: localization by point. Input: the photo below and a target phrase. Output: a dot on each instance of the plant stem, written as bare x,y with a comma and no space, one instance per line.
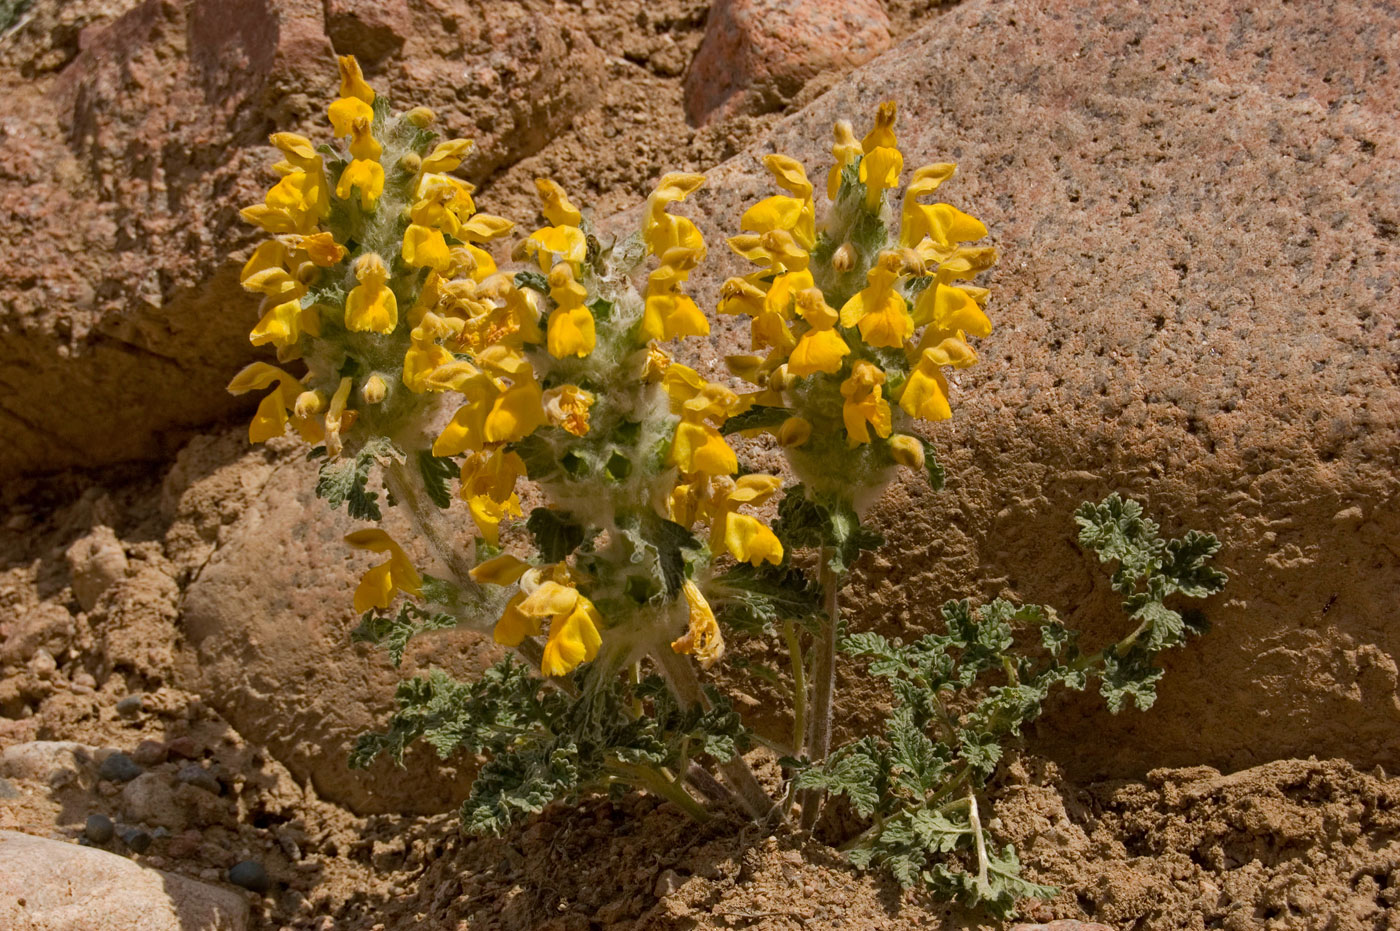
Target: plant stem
978,839
408,490
823,684
680,676
799,685
646,778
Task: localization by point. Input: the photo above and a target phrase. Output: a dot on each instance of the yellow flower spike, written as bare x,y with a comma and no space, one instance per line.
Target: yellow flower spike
847,151
377,586
446,156
879,310
820,349
865,405
698,448
567,407
571,328
702,638
371,307
663,231
364,173
749,540
355,98
338,418
907,451
794,432
882,162
555,205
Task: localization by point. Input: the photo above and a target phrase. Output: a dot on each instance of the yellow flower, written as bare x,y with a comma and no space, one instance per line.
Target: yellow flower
555,205
749,540
519,407
864,404
425,247
513,627
504,569
467,428
377,586
879,310
271,417
663,231
488,486
446,156
668,313
573,626
925,394
424,354
283,317
698,448
482,228
371,306
847,151
702,637
454,193
794,431
948,310
821,348
795,214
882,163
571,327
355,98
338,418
562,241
567,407
745,538
364,173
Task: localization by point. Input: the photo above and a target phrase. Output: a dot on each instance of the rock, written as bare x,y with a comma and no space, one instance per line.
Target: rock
118,767
96,562
130,705
99,829
137,840
185,846
1194,306
150,799
195,775
8,789
149,753
250,875
275,658
183,747
45,626
125,162
65,887
758,54
47,761
667,883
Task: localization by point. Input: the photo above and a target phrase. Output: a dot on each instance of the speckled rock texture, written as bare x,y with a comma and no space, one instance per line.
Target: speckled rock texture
1197,209
267,615
49,885
757,54
134,130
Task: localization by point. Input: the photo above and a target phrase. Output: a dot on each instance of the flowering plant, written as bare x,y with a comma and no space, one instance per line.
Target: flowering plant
426,364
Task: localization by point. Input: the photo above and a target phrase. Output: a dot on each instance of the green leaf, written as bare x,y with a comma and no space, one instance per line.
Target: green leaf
851,771
824,522
556,534
1185,565
934,471
1132,676
536,281
538,456
756,600
756,418
437,473
394,633
672,542
346,481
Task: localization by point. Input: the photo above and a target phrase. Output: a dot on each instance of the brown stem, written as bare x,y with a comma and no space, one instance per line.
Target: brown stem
823,685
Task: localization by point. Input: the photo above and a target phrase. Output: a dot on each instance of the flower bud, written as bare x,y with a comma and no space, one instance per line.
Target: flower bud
421,117
309,404
374,389
794,431
844,258
410,162
907,450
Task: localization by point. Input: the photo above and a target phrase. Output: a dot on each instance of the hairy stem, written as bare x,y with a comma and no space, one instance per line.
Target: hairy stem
977,839
644,777
680,676
823,684
799,685
408,490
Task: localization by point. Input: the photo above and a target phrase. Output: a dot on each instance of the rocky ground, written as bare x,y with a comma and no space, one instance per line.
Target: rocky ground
159,705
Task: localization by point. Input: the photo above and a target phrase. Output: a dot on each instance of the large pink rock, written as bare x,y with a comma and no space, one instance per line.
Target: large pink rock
1196,208
132,133
757,54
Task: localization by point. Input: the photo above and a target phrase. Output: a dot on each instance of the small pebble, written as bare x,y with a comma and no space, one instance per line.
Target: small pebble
668,882
7,789
250,875
149,753
199,777
184,846
183,747
98,829
119,768
136,839
130,705
84,680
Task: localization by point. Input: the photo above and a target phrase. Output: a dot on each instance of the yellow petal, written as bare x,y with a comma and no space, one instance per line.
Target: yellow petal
555,204
515,414
699,448
425,247
550,599
345,112
376,589
574,641
504,569
925,394
514,627
371,308
446,156
818,351
466,430
702,637
364,175
748,540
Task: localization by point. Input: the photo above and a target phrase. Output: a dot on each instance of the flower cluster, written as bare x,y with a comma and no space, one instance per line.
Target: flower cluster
854,323
426,359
